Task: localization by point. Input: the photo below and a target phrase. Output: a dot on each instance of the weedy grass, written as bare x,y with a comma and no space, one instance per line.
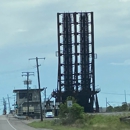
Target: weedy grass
90,122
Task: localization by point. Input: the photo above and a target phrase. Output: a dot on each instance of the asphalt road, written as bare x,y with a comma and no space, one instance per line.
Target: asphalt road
11,123
4,124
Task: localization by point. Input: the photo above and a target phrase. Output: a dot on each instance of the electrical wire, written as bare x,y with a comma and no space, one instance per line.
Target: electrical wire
113,93
13,71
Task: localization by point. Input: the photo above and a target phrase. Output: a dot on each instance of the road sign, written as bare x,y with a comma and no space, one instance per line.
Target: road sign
69,103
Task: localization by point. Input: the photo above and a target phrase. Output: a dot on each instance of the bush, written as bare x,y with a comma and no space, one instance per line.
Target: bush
69,115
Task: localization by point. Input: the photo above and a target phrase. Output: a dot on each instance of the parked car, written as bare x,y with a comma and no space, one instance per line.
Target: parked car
49,115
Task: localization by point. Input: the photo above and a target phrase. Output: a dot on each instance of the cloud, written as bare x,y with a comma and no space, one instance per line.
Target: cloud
124,0
26,3
21,30
125,63
38,19
113,50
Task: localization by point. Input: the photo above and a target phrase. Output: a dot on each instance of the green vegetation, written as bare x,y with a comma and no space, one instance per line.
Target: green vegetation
124,107
69,115
73,118
90,122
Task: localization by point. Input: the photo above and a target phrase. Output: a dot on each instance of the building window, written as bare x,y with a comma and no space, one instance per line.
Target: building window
30,96
22,95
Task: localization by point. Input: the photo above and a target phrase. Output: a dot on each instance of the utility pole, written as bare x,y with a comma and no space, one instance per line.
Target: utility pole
9,104
14,101
4,103
39,84
27,82
45,93
45,100
125,95
106,104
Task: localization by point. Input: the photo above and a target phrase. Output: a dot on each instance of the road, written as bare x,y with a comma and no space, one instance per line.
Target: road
4,124
11,123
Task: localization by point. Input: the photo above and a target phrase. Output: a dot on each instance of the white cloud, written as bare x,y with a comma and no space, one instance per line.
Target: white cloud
114,50
21,30
125,63
124,0
20,3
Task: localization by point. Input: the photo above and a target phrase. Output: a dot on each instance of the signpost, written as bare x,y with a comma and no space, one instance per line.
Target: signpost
69,103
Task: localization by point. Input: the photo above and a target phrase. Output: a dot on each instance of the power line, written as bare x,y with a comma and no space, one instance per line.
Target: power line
113,93
13,71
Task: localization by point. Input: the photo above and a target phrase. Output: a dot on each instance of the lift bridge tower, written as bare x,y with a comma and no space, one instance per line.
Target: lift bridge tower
76,60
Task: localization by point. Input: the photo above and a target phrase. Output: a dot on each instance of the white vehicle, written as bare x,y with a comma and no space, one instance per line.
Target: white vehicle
49,115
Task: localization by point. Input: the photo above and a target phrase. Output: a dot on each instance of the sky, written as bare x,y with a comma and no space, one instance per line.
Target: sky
28,29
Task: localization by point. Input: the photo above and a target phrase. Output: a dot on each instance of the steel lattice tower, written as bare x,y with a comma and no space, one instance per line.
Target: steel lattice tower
76,59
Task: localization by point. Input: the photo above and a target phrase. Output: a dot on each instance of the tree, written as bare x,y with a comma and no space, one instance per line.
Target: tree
124,107
117,109
109,109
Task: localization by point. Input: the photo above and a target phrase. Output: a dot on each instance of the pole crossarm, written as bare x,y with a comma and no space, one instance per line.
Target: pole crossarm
36,58
27,73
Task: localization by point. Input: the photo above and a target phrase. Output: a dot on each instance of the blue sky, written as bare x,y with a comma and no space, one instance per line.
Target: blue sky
28,29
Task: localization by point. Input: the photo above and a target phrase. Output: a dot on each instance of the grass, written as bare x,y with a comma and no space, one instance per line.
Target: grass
90,122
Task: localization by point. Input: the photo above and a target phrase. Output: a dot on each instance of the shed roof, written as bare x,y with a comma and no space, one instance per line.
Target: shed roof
25,90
